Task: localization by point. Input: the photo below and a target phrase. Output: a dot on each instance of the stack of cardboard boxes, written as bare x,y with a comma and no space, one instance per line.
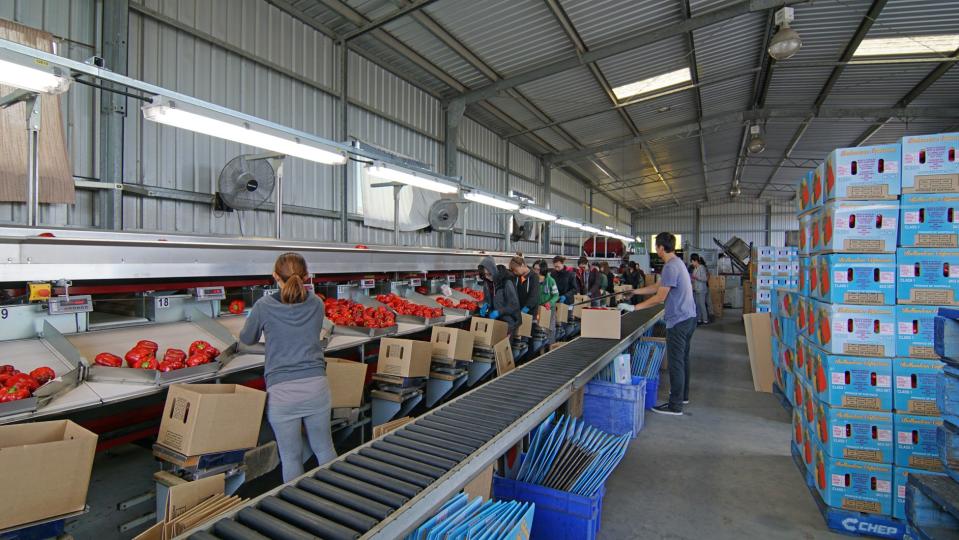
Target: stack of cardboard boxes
769,267
860,369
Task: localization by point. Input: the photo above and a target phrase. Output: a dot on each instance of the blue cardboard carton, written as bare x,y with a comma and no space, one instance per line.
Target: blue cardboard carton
929,220
928,276
915,332
864,279
916,444
855,330
854,485
852,382
859,227
901,478
916,386
863,173
805,199
929,163
859,435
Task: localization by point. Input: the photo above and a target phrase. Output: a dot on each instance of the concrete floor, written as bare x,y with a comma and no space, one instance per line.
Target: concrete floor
724,469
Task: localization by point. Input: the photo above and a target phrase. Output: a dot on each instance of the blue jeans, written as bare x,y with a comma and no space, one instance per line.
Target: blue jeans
678,340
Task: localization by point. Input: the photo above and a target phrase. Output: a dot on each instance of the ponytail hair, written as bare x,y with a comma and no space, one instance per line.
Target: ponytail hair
291,267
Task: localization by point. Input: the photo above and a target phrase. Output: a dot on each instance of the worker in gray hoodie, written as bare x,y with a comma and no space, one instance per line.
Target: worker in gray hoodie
500,300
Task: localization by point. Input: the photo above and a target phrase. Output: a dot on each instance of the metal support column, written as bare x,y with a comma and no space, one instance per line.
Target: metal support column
769,224
113,110
454,116
509,217
547,196
344,134
698,228
33,160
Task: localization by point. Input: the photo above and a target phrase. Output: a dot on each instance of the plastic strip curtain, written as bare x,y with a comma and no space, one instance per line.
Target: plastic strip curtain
568,455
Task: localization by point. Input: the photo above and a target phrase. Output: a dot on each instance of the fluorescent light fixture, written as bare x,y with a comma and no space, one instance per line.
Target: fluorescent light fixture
608,228
205,122
567,223
591,229
490,200
652,84
42,79
411,179
537,214
943,43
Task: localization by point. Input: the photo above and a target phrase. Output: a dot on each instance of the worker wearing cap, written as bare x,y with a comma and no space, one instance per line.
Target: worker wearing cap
675,289
500,300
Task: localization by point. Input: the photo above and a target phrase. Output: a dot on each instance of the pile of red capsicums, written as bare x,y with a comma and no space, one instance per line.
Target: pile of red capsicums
143,355
16,385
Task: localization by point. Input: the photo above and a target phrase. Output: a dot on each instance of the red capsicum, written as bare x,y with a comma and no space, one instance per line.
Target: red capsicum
108,360
137,354
147,363
197,360
147,344
237,307
43,375
13,393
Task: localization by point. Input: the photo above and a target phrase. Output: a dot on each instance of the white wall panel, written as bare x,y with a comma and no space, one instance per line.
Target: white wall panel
481,142
376,88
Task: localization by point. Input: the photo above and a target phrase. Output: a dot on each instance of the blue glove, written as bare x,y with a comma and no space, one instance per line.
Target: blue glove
494,314
483,310
562,299
525,309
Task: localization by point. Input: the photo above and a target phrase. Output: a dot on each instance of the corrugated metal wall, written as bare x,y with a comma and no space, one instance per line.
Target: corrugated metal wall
250,56
745,219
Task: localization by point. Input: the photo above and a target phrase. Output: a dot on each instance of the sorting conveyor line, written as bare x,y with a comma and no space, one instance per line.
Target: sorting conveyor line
386,487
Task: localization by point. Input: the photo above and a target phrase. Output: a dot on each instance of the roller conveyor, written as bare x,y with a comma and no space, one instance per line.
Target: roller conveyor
385,488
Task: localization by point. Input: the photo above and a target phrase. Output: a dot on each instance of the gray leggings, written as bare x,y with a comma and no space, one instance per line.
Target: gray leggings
292,406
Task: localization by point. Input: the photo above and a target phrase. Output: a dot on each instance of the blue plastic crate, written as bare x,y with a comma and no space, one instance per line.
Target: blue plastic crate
615,408
559,515
652,393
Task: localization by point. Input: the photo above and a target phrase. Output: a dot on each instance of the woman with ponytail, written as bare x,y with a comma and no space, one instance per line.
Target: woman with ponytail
298,394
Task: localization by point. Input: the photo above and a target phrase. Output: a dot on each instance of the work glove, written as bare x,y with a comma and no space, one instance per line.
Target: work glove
483,310
494,315
547,305
525,309
562,299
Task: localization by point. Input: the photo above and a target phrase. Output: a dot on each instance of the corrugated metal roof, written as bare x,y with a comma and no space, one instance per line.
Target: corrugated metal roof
895,129
567,94
876,85
415,36
655,59
509,36
598,128
942,93
601,22
398,63
916,17
729,47
674,108
796,87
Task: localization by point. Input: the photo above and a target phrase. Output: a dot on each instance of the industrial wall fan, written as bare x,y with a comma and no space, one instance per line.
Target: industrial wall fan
247,182
443,215
526,230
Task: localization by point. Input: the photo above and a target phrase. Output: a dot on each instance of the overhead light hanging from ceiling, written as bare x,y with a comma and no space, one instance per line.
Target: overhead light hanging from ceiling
32,76
756,142
786,42
537,214
409,178
491,200
735,191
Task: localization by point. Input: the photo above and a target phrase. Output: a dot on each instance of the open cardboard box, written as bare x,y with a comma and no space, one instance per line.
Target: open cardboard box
404,357
46,467
525,328
206,418
580,301
488,332
452,344
346,379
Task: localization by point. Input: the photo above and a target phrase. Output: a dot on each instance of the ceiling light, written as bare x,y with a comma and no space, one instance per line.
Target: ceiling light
786,42
735,191
537,214
411,179
490,200
944,43
567,223
34,79
590,229
203,121
652,84
756,142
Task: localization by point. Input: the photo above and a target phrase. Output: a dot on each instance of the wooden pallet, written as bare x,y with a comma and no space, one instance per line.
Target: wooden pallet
932,506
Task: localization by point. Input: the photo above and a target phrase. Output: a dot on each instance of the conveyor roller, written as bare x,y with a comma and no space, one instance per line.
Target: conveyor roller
385,488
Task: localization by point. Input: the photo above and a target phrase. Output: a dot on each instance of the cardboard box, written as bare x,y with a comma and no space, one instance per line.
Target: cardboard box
562,313
852,382
916,385
805,239
815,231
805,202
183,497
901,479
580,301
346,379
859,435
481,484
853,485
803,307
487,332
818,185
929,221
525,328
856,279
764,253
915,331
928,276
787,254
784,329
765,269
405,357
504,357
452,343
787,269
787,302
863,173
802,278
859,227
206,418
929,163
855,330
383,429
758,339
916,444
601,323
46,467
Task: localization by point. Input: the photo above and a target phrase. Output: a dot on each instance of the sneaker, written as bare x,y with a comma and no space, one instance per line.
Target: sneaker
666,408
685,402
